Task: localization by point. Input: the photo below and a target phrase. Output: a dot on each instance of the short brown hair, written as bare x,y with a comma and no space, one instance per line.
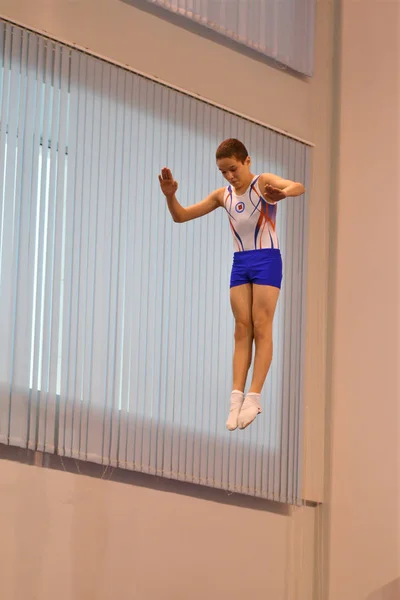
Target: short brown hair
232,147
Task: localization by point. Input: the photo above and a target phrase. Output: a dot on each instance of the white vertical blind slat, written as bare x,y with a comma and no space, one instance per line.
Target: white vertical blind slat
10,107
111,316
37,400
20,351
5,40
72,341
119,252
126,342
49,283
31,267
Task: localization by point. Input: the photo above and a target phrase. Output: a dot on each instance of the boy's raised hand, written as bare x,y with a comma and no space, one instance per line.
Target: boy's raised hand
167,183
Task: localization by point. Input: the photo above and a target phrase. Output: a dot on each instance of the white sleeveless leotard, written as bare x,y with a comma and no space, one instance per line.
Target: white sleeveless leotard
252,218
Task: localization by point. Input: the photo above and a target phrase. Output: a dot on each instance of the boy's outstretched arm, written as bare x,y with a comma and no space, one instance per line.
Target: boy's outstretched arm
182,214
275,188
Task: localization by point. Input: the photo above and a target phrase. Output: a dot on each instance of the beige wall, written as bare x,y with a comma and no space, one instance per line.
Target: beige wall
365,478
282,546
73,537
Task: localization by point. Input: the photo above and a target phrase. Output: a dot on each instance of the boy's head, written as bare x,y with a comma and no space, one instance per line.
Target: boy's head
232,148
233,161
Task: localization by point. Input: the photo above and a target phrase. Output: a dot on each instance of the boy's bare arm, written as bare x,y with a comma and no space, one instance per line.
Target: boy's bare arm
275,188
179,213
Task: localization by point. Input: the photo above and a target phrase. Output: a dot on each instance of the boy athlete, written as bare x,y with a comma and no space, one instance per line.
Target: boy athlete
250,202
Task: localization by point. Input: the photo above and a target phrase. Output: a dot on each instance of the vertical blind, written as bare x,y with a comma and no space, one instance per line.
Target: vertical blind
280,29
115,326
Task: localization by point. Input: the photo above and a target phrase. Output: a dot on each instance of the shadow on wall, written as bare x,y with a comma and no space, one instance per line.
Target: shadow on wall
118,475
212,35
391,591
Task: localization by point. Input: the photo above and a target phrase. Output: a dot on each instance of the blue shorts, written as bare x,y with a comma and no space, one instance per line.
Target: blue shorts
263,267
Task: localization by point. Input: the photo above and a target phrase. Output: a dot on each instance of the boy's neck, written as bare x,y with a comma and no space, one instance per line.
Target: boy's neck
244,186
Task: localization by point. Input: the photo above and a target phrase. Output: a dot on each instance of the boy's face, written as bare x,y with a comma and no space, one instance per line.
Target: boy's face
234,171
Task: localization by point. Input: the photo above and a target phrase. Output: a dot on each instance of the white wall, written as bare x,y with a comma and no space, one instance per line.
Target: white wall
365,479
282,547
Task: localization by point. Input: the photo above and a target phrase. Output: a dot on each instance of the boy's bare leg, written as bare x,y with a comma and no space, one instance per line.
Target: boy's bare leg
241,303
265,299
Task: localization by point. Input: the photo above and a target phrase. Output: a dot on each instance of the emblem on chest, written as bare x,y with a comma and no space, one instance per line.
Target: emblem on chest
240,206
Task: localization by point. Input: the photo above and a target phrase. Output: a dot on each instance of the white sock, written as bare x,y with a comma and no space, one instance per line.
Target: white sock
237,398
251,407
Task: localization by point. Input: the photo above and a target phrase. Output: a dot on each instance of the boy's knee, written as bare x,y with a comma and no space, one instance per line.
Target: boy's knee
262,328
243,329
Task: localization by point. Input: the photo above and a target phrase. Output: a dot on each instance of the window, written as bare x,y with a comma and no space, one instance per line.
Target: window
116,329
